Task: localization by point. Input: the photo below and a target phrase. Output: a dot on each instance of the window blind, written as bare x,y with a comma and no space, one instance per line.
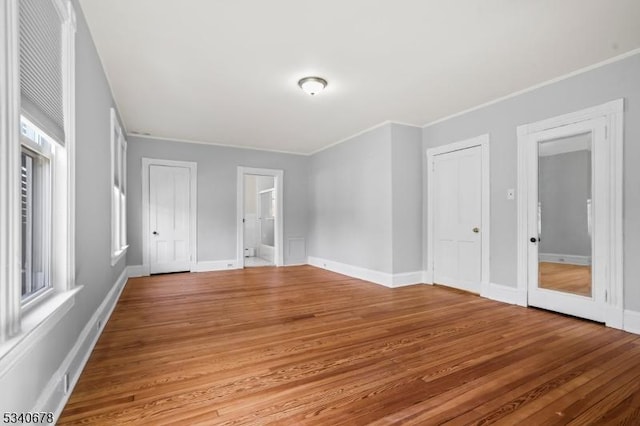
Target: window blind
41,86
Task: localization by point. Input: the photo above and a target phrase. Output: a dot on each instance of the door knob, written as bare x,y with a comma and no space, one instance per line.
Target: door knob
533,239
476,229
155,233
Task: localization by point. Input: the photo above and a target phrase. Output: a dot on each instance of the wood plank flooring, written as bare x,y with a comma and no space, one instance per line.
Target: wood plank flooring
564,277
304,346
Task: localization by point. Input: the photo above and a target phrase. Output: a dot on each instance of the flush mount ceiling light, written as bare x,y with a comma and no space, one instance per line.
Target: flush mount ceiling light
312,85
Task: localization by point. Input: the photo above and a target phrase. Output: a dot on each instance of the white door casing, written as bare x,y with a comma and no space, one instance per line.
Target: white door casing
458,215
278,178
169,215
604,123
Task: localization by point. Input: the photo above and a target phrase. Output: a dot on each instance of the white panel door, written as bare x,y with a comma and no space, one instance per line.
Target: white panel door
457,219
169,189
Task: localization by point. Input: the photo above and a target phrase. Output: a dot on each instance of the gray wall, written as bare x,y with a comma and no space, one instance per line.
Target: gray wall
613,81
350,206
366,201
406,194
217,193
23,383
564,188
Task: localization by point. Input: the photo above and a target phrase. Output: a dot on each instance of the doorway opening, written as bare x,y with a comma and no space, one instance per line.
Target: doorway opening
259,217
259,220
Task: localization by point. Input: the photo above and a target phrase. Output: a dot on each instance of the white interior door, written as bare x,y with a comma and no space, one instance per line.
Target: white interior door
169,219
567,208
457,208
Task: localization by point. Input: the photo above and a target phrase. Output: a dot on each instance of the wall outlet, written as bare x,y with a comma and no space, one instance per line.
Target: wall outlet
99,325
229,265
511,194
65,383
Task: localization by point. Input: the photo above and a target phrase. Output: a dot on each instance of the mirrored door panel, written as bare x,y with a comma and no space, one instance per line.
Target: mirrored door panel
565,214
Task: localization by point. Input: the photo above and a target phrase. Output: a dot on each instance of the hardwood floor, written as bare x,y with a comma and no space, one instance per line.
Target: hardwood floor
301,345
564,277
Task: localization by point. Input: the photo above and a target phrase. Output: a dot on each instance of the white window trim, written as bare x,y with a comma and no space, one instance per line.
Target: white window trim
118,142
20,329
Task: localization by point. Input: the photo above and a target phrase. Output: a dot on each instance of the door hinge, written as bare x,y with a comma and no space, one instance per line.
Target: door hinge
243,219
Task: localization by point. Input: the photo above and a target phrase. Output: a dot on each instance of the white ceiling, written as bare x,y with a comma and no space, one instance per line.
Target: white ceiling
225,71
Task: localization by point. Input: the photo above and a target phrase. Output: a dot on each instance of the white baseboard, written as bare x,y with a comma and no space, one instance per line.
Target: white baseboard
53,398
406,278
134,271
214,265
565,258
204,266
632,321
505,294
383,278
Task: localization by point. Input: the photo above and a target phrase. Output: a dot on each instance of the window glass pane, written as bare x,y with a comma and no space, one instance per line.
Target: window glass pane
116,218
123,221
35,222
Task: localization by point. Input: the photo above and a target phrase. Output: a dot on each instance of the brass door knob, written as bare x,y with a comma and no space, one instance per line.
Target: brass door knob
476,229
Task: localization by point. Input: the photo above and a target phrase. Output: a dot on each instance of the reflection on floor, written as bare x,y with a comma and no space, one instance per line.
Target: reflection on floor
250,262
574,279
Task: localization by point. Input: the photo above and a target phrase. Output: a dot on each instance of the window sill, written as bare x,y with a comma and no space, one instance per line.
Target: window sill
119,254
35,324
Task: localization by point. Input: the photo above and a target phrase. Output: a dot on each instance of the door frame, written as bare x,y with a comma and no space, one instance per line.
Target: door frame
612,247
485,233
278,178
193,213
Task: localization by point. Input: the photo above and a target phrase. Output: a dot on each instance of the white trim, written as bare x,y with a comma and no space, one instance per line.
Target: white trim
612,112
483,142
53,398
537,86
360,133
118,144
215,265
406,278
222,145
69,99
632,321
193,207
506,294
382,278
569,259
36,324
427,277
135,271
278,176
115,257
254,148
10,242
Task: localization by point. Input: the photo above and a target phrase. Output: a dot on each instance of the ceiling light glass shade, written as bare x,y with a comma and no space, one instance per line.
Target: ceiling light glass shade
312,85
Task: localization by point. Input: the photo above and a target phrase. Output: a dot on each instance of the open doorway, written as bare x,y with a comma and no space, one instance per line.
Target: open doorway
259,217
259,220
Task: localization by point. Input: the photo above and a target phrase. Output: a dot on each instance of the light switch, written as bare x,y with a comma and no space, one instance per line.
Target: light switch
511,194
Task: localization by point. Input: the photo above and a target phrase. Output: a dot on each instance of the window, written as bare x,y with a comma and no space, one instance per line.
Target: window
118,190
35,211
37,255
